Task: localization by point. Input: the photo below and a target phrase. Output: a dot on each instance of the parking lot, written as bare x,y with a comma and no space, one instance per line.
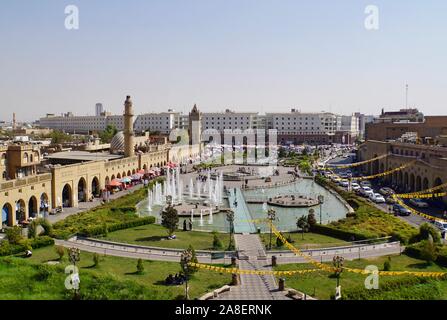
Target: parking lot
434,208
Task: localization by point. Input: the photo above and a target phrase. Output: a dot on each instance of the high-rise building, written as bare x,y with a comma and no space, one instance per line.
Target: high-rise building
99,109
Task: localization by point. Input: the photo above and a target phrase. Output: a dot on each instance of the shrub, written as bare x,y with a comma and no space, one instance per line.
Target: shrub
170,219
14,234
279,242
140,266
387,265
47,227
217,244
428,251
43,272
425,232
42,241
32,229
95,259
60,251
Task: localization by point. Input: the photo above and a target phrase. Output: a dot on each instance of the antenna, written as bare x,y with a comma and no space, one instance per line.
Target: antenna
406,96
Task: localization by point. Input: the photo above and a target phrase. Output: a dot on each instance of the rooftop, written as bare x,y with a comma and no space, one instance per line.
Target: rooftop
83,156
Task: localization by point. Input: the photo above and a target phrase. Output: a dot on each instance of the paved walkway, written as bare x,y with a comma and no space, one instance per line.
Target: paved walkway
253,287
85,206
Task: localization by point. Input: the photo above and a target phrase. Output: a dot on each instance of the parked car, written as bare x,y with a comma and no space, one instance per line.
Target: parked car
401,210
441,225
355,186
418,203
385,191
377,198
366,191
365,183
344,183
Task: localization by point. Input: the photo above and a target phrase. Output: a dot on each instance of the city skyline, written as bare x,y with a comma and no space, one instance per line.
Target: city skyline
260,57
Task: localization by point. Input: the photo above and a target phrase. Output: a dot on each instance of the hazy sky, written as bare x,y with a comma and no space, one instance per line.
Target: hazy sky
247,55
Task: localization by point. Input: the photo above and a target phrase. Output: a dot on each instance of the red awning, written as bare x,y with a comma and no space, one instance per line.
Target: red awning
115,183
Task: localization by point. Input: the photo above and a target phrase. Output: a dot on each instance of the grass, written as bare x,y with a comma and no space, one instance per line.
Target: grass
322,285
113,278
311,240
156,236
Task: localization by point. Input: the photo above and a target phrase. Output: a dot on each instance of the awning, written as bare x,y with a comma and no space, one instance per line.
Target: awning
136,176
115,183
126,180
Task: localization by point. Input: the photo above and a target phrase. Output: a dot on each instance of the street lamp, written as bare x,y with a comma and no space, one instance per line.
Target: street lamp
230,219
321,201
337,261
271,215
74,255
185,260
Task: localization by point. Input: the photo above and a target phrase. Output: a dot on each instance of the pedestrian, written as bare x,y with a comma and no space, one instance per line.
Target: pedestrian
184,226
190,225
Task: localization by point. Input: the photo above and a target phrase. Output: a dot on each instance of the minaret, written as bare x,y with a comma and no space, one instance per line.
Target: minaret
195,126
128,129
14,123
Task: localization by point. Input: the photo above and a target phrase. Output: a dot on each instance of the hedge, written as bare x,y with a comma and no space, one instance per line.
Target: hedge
331,231
414,250
7,249
101,229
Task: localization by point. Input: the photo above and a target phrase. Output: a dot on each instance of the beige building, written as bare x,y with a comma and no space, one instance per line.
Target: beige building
25,193
429,170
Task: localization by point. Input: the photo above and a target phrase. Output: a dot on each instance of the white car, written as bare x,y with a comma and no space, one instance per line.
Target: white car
366,191
355,186
377,198
419,203
441,225
365,183
344,183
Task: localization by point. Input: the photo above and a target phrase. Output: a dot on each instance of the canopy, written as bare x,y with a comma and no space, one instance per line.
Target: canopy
126,180
136,176
115,183
141,171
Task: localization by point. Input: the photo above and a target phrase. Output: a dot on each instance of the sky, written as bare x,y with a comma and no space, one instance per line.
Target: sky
245,55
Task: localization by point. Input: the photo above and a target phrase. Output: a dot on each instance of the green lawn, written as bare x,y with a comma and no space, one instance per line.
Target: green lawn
311,240
113,278
322,285
156,236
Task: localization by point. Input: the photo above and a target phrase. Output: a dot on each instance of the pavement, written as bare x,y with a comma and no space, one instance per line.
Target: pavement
253,287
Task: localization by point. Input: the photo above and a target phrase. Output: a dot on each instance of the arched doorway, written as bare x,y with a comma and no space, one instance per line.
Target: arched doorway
82,190
134,171
418,183
437,182
7,215
44,205
20,211
118,176
425,184
412,186
406,181
95,190
113,177
32,207
129,173
67,196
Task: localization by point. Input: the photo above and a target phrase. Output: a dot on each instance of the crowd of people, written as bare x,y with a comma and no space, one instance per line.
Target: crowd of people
176,280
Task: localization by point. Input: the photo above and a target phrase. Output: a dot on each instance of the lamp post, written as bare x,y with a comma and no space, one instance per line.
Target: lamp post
320,201
74,255
185,260
230,219
337,261
271,215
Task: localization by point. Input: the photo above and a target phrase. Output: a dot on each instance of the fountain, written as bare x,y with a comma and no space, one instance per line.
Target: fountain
210,218
192,215
201,218
149,200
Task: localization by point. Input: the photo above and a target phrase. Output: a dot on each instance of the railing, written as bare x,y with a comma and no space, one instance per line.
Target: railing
25,181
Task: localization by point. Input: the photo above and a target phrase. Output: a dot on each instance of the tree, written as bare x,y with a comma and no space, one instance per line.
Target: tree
217,244
32,229
46,225
14,235
59,137
311,220
60,251
303,225
428,251
279,242
426,230
387,265
170,219
140,266
95,259
107,135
